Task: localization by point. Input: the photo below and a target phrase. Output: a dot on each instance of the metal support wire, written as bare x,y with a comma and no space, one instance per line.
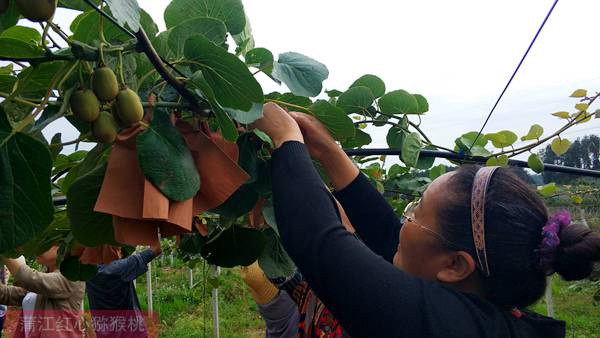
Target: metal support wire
514,73
472,159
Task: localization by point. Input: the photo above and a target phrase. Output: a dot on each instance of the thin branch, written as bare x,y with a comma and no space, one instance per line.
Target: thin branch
16,99
146,47
59,31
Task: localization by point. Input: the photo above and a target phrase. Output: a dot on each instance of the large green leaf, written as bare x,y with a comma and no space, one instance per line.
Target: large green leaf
228,128
74,270
238,204
233,84
85,28
244,40
304,76
35,80
25,199
7,83
14,48
10,17
90,228
229,11
359,139
274,260
25,34
260,58
234,246
77,5
126,12
399,102
411,148
212,29
355,99
422,103
96,156
374,83
166,160
335,120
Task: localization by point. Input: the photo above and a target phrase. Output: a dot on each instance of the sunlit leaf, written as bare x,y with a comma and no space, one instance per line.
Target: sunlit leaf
579,93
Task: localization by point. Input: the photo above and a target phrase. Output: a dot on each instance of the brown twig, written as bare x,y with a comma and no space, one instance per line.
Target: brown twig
145,46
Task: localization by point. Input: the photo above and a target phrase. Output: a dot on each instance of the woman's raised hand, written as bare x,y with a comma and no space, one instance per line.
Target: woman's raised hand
279,125
316,137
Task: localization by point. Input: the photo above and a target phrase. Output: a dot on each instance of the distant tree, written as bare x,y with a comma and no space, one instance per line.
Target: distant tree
584,153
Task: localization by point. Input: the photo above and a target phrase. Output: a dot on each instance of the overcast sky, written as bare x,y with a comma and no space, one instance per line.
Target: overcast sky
458,54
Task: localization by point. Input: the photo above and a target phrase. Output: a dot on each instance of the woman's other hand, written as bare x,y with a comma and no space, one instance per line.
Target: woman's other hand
316,137
279,125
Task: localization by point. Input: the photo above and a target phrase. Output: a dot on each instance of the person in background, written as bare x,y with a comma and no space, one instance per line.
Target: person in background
112,296
51,303
466,260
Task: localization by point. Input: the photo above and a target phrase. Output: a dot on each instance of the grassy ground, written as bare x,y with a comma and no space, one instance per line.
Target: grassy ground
185,312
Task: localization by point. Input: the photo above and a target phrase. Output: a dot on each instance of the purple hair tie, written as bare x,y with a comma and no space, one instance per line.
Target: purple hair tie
550,240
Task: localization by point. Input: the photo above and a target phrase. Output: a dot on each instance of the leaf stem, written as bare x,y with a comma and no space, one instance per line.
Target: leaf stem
291,105
17,99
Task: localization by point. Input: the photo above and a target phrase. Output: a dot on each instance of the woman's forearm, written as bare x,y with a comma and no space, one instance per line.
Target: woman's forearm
339,168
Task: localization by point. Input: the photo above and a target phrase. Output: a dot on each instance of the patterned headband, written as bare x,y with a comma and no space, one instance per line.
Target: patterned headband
482,179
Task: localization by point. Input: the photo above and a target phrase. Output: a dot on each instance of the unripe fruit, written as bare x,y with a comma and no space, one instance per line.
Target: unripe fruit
85,105
129,107
3,6
37,10
104,83
104,129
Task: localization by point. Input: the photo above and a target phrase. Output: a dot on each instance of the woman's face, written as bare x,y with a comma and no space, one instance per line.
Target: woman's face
48,258
420,253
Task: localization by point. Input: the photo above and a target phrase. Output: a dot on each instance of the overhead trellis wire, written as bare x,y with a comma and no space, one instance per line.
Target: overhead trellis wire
514,73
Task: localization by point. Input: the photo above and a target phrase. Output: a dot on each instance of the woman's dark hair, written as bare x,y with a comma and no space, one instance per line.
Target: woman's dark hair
514,217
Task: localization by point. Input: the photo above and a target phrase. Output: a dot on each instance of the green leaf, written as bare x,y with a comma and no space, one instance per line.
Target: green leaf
492,161
85,28
360,139
7,83
228,128
398,102
274,260
470,140
582,106
25,201
335,120
437,171
248,158
35,80
548,190
263,136
425,163
535,163
333,93
579,93
57,146
411,148
26,34
229,11
479,151
10,17
501,139
74,270
238,204
233,84
234,246
244,40
90,228
302,101
77,5
126,12
374,83
212,29
562,114
396,134
304,76
246,117
355,99
166,160
13,48
560,146
260,58
534,133
422,102
96,156
576,199
502,160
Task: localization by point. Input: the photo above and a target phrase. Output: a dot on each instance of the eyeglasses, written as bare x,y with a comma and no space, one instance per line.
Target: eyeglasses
408,215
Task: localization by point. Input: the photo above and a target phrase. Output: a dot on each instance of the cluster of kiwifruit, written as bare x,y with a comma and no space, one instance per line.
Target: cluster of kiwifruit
34,10
92,106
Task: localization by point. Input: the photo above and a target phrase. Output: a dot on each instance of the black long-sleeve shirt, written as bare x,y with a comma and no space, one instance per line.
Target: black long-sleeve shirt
356,280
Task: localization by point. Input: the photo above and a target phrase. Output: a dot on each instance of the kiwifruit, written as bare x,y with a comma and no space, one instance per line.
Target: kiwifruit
104,83
3,6
103,128
37,10
85,105
129,106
